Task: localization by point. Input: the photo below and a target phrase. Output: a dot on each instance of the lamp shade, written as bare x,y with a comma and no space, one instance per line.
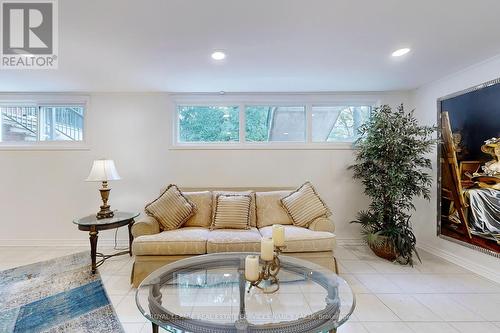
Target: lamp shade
103,170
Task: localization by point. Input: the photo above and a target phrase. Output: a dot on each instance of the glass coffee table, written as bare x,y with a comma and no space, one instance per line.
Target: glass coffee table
209,294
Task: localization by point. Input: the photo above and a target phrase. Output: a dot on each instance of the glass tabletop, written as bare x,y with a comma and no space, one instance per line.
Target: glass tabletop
209,293
92,219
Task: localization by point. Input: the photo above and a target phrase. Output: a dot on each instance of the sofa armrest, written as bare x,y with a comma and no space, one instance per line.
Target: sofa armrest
322,224
145,226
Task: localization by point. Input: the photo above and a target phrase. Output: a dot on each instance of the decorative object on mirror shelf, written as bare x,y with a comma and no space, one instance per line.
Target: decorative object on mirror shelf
103,171
392,164
270,249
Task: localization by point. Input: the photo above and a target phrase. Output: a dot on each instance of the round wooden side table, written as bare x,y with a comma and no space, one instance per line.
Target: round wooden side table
93,226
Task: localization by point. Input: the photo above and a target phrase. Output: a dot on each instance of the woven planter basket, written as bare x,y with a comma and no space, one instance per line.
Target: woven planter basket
384,250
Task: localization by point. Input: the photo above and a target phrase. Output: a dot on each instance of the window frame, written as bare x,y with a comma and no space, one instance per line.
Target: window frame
41,100
288,100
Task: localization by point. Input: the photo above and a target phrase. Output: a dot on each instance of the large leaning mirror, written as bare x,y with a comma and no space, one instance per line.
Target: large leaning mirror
469,168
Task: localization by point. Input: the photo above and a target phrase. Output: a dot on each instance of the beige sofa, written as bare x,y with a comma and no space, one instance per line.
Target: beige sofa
154,248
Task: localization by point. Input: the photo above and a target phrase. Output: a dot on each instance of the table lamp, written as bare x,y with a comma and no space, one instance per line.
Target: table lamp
102,171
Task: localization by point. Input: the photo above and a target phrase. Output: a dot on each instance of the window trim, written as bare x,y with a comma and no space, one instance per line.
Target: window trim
300,99
40,100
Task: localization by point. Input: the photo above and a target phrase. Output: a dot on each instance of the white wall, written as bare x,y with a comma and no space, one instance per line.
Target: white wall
42,191
425,101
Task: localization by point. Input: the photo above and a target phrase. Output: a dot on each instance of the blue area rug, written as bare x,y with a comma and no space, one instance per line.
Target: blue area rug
58,295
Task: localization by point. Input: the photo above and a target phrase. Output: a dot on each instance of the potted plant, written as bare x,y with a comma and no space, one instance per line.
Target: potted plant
391,162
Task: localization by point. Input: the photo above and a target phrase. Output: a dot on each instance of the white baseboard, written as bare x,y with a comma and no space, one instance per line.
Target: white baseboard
350,241
460,261
61,242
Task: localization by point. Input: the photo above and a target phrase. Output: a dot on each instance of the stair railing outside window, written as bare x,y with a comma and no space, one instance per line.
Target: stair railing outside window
28,123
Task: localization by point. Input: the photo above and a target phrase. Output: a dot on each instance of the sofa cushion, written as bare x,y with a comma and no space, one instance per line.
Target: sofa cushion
232,211
147,225
322,224
253,216
269,208
203,214
188,240
304,205
171,209
233,240
298,239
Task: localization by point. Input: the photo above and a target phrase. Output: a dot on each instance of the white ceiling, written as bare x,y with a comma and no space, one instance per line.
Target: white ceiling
271,45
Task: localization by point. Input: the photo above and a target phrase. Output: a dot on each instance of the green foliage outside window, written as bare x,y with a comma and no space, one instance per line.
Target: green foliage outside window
212,124
208,123
348,122
258,123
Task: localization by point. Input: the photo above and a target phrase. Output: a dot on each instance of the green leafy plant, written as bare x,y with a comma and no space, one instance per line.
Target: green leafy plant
391,162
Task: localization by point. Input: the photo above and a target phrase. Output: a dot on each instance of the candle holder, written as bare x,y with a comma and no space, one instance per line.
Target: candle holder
269,272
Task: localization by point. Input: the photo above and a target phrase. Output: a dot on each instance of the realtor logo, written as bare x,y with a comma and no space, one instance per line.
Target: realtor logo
29,34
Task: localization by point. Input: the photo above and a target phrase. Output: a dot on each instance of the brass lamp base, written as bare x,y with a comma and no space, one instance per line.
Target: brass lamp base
105,212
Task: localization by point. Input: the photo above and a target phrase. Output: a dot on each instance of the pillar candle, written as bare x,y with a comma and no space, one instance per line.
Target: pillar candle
252,268
267,249
278,235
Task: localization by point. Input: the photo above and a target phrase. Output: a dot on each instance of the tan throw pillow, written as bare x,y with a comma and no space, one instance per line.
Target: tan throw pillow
232,212
269,208
171,209
304,205
253,214
203,215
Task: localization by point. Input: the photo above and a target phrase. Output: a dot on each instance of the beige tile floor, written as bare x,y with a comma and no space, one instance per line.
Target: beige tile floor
433,297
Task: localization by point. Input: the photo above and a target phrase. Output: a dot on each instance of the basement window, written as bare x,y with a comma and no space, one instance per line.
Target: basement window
254,125
213,124
31,124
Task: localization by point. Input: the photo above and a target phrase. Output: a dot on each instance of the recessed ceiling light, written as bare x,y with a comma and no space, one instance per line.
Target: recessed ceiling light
218,55
400,52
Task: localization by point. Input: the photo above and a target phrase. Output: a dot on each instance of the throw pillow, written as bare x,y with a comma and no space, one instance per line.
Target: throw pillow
253,214
203,215
304,205
171,209
232,212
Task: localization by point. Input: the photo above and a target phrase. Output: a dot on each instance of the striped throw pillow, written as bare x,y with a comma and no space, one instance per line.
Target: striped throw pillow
171,209
253,212
304,205
232,212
